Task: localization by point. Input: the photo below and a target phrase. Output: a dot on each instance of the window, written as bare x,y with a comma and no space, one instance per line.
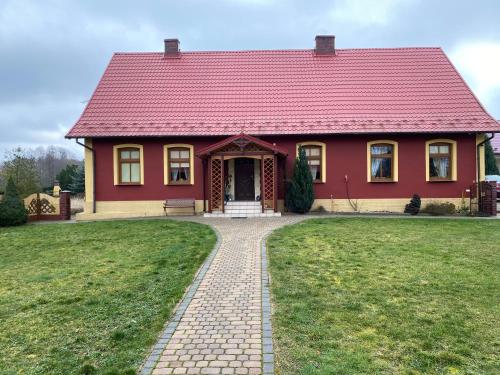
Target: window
440,161
316,158
178,160
313,154
382,161
178,167
128,164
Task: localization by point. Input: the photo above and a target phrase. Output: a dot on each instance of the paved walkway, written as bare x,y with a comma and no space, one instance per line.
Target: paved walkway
220,327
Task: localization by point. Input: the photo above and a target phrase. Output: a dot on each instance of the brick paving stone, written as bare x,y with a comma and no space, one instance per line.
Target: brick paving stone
219,329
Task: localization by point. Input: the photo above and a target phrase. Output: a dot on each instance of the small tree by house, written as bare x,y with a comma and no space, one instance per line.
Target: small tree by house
12,210
300,193
21,167
490,162
78,184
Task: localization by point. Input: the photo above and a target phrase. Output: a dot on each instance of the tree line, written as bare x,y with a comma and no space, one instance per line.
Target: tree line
36,170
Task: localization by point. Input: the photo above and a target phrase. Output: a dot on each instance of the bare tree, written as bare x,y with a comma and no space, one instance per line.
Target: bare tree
21,167
43,163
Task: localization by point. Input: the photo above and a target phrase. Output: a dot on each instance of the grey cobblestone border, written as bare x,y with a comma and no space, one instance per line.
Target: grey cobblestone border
267,331
165,336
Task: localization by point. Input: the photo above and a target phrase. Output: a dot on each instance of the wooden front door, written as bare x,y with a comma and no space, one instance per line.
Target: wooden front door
244,187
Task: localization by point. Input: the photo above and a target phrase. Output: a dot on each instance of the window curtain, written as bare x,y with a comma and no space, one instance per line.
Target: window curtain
314,171
440,167
184,172
174,171
376,163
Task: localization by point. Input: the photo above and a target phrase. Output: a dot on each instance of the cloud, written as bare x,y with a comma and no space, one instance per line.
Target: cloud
479,64
367,12
42,120
53,52
251,2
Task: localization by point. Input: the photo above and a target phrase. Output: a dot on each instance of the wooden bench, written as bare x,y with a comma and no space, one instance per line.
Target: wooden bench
179,203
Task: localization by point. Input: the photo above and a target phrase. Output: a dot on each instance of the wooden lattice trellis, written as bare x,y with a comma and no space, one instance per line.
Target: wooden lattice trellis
40,206
216,198
269,182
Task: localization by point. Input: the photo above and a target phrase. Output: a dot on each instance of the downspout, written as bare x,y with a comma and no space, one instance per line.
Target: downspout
478,158
93,173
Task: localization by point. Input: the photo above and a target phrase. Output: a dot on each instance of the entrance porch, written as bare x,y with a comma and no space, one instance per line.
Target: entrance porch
242,173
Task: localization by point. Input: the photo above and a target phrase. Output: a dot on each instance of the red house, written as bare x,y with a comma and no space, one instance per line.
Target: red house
223,128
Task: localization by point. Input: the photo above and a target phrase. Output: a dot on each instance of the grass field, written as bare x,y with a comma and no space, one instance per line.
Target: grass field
387,296
92,297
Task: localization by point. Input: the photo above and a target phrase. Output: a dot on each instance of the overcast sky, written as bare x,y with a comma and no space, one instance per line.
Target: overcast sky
53,52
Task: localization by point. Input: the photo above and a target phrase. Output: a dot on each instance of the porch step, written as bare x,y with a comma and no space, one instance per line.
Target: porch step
230,215
243,209
243,204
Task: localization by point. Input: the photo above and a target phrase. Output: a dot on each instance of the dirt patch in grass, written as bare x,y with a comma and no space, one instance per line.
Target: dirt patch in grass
92,297
386,296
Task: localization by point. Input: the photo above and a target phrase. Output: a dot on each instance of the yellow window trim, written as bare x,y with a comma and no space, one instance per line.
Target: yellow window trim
116,149
165,163
453,158
323,155
89,174
395,161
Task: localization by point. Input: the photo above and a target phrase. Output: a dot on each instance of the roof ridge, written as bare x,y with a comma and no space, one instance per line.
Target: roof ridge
277,50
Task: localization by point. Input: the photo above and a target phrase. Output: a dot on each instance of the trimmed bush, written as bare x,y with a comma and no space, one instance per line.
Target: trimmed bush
300,194
414,206
440,209
12,210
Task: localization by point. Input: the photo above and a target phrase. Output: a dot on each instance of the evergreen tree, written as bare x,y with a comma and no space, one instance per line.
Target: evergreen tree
78,184
489,157
66,176
300,194
12,210
21,167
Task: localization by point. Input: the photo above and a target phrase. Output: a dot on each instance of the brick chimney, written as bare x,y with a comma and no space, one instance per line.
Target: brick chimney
325,45
172,48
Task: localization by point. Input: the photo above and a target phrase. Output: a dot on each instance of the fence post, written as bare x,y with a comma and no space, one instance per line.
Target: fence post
492,198
65,205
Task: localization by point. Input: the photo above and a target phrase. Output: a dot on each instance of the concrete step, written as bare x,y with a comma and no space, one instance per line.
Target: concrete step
243,203
241,215
234,209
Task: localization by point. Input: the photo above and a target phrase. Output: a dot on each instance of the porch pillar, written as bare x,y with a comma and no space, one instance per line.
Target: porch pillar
275,182
223,183
210,184
203,175
262,183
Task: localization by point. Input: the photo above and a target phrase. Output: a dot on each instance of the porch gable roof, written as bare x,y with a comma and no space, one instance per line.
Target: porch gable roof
241,140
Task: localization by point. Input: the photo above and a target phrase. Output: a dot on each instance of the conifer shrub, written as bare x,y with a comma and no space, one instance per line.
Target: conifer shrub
12,210
300,193
414,206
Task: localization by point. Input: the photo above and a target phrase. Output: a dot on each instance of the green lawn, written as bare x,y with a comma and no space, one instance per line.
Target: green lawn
387,296
77,297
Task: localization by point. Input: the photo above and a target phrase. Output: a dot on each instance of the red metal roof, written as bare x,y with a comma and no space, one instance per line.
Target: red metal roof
282,92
